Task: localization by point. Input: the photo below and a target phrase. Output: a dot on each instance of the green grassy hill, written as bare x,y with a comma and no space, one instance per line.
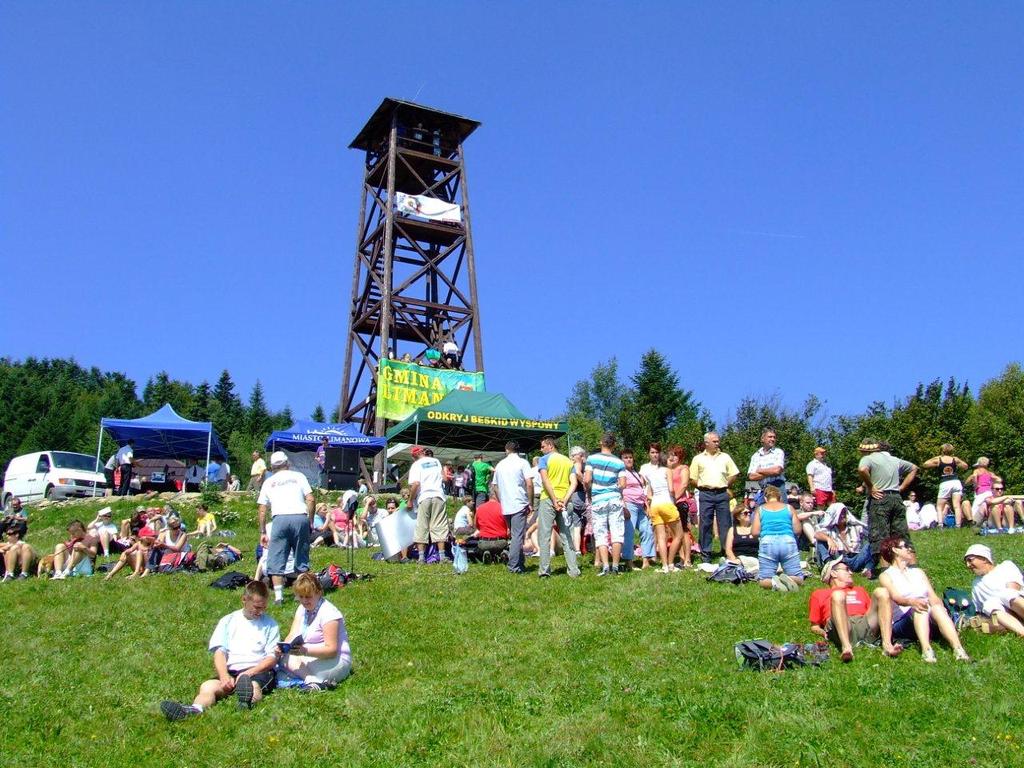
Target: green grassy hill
490,669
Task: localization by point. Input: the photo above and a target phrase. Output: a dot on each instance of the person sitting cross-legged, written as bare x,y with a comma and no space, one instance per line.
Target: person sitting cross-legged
245,652
75,556
316,649
845,613
16,553
998,590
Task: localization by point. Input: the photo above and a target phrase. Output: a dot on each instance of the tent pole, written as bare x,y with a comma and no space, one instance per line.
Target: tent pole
209,441
99,452
417,440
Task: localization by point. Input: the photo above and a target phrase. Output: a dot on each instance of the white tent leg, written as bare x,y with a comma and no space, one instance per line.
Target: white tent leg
209,441
99,452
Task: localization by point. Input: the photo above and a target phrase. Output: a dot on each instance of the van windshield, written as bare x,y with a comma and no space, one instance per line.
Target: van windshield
77,461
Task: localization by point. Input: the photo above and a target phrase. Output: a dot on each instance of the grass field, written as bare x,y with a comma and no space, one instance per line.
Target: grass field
491,669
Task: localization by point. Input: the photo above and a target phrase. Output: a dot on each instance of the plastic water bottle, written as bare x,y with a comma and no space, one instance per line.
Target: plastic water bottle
460,560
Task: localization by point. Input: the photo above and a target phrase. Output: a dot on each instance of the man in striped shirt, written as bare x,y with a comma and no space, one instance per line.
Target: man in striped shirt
605,477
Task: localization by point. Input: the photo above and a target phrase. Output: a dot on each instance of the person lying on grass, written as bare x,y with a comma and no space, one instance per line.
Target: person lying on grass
997,591
916,607
845,613
316,650
74,557
137,555
245,649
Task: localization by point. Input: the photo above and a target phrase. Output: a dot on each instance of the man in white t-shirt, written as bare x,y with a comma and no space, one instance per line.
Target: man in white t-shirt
290,499
819,480
125,459
244,648
998,590
512,482
426,496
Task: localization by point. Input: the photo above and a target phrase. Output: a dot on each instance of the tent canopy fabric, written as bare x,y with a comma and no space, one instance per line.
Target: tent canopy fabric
166,435
306,436
482,421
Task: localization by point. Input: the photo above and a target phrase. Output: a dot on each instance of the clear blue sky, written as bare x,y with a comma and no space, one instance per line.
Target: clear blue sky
802,197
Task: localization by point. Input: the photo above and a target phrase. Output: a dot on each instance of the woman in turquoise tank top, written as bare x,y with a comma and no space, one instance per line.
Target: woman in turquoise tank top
777,525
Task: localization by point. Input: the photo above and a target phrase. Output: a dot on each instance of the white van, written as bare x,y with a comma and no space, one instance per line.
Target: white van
52,475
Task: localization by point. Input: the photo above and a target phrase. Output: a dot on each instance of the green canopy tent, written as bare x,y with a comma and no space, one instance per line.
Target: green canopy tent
480,421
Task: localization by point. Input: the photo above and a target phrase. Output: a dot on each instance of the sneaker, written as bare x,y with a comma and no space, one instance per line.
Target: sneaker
7,577
928,656
961,655
173,710
604,571
787,582
665,569
58,576
22,575
243,691
615,570
312,687
544,575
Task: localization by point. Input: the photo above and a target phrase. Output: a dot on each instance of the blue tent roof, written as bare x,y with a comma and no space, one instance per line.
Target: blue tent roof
166,435
307,435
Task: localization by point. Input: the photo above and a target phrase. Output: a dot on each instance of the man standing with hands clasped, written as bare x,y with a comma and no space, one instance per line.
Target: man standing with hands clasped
712,471
290,499
767,467
515,493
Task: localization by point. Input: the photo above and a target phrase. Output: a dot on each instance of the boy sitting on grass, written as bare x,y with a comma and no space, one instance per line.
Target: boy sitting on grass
244,647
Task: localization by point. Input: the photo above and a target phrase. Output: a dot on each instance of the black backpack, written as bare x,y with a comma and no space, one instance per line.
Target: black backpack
764,656
230,580
730,573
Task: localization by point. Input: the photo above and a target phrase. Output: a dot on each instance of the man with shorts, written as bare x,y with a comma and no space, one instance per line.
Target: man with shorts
426,496
245,651
290,499
713,471
998,590
846,615
605,479
819,480
881,474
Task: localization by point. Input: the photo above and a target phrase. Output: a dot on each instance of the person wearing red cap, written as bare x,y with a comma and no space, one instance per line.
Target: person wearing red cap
426,495
137,554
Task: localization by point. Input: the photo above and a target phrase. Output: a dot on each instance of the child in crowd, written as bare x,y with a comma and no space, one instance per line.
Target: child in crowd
206,523
137,554
245,652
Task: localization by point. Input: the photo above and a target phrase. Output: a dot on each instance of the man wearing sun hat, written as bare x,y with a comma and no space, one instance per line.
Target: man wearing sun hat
288,495
845,613
885,477
998,590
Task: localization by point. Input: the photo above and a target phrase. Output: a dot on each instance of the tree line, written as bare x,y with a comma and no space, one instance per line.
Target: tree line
57,405
653,406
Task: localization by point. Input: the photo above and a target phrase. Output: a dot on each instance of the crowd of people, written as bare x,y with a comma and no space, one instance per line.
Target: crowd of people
666,515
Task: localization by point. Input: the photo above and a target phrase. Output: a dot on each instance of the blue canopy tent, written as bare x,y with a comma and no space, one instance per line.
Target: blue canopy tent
306,435
164,435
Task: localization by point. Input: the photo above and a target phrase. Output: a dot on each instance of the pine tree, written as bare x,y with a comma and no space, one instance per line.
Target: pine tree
655,403
201,402
228,415
258,422
318,414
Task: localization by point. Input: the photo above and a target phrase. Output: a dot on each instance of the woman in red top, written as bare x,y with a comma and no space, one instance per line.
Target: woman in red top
679,476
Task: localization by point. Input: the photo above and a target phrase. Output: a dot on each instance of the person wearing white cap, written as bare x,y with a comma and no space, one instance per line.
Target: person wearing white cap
288,495
998,590
104,529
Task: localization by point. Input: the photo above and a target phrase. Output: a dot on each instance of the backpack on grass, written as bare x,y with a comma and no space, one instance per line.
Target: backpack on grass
230,580
331,578
960,605
730,573
767,657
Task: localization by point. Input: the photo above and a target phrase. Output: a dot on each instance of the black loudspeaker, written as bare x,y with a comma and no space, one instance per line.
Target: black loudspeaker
342,481
342,460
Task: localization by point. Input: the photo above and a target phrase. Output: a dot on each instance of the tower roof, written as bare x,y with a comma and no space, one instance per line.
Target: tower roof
410,113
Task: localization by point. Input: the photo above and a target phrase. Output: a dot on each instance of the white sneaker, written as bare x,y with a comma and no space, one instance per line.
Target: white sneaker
58,576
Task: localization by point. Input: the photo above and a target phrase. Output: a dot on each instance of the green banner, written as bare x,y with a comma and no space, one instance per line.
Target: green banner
404,387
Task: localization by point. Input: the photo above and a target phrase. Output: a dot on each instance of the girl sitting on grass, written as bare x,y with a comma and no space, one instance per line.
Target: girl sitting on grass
321,656
137,554
206,523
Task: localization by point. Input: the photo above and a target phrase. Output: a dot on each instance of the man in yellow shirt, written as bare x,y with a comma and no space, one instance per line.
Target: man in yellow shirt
257,472
712,471
555,470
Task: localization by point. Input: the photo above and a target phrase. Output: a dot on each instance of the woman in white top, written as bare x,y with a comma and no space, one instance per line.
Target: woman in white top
316,649
915,606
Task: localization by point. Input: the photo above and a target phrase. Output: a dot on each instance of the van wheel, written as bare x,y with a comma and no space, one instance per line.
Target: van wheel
48,493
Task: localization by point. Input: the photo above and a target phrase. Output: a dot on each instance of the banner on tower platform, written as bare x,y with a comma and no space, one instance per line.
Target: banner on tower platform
428,208
404,387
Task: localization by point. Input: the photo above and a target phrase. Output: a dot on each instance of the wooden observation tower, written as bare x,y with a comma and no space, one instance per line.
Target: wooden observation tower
414,279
